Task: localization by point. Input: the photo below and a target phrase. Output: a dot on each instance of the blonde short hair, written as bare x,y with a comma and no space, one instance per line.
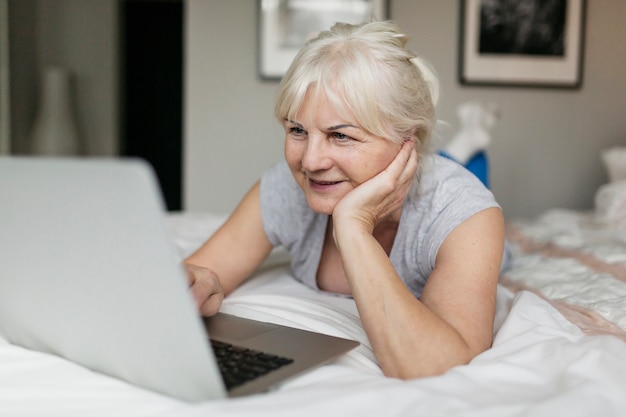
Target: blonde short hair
366,71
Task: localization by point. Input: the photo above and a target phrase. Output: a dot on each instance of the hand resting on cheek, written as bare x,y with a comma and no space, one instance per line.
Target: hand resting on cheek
383,194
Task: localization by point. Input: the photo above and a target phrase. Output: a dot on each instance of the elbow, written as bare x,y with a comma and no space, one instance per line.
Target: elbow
410,373
416,368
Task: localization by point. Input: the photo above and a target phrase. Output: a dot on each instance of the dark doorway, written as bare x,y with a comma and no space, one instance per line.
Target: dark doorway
151,89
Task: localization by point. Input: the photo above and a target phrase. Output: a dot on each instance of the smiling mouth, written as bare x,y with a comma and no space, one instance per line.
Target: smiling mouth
323,183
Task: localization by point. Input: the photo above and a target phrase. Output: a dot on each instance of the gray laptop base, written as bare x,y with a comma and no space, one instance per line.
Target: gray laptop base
308,349
88,272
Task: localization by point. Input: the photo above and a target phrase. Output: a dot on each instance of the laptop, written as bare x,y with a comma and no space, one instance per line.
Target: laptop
88,272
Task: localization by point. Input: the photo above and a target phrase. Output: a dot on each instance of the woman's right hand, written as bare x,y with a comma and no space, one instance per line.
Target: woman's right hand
206,289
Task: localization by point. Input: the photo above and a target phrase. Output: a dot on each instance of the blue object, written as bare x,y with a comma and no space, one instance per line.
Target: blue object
477,165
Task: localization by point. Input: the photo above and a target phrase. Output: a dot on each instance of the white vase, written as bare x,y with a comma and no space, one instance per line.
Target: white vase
55,131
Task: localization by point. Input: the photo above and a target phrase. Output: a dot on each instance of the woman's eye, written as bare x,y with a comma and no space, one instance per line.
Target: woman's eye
340,136
297,131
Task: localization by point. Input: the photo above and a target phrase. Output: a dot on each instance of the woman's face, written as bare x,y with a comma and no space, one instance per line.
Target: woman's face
329,156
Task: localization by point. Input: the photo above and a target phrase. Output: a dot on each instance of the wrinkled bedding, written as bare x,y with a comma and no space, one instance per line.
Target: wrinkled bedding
542,363
576,262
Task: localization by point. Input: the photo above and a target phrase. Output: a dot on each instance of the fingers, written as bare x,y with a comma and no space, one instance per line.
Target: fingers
410,166
400,175
382,194
208,294
211,305
401,171
206,289
404,165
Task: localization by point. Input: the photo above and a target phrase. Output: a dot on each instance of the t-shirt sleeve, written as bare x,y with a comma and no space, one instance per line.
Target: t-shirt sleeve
274,198
455,197
289,222
284,209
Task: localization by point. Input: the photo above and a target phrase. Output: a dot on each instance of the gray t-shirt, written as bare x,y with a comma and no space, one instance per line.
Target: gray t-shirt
446,195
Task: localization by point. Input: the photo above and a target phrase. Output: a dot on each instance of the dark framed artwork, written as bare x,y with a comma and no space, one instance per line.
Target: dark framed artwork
528,43
285,25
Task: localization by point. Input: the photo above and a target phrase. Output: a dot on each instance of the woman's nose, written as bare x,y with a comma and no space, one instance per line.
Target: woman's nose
317,154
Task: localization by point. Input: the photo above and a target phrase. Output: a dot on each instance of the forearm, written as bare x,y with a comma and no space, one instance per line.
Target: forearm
408,338
239,246
227,257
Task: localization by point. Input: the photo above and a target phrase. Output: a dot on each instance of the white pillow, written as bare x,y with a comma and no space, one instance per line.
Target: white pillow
615,163
610,204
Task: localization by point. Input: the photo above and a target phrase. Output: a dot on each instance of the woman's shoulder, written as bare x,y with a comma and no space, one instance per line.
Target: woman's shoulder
443,180
287,218
445,195
437,167
278,182
283,204
277,172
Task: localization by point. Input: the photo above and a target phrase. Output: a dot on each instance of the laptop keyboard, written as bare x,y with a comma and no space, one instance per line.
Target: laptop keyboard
239,365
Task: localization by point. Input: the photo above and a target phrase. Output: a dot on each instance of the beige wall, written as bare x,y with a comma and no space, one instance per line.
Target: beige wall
545,150
230,133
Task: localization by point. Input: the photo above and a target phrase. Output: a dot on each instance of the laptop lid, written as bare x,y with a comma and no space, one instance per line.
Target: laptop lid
88,272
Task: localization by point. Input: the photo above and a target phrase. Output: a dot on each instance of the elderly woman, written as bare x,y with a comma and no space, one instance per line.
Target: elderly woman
365,211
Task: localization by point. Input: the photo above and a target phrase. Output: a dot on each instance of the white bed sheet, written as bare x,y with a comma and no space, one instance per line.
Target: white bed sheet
569,256
540,364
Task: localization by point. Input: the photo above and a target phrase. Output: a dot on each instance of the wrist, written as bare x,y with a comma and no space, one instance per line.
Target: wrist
346,229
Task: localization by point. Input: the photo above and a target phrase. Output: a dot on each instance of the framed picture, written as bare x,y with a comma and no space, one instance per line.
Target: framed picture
522,43
285,26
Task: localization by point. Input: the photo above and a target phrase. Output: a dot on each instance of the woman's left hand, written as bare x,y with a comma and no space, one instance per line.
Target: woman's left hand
381,195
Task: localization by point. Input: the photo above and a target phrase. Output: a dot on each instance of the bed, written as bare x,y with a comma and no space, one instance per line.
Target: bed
559,343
